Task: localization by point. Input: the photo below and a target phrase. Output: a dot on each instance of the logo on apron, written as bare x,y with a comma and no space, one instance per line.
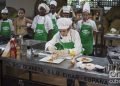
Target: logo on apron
39,31
5,28
86,32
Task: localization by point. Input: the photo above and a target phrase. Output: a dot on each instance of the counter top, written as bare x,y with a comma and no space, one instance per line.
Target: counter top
64,69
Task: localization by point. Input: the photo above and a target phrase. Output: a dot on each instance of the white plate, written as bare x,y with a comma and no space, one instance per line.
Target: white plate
46,59
84,59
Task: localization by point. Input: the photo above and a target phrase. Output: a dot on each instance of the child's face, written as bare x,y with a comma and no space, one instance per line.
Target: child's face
78,16
42,11
66,15
21,13
85,15
64,32
4,15
52,8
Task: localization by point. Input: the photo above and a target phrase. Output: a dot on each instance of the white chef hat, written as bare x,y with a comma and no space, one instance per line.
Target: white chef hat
5,10
64,23
86,7
44,6
66,9
53,2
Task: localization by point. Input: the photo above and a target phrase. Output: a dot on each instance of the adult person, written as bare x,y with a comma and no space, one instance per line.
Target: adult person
42,24
6,24
87,28
21,23
65,42
52,14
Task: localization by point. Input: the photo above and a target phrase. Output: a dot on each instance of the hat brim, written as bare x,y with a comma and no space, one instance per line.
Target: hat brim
63,27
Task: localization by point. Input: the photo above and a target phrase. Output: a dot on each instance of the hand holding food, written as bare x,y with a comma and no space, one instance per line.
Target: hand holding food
51,49
72,53
53,57
61,53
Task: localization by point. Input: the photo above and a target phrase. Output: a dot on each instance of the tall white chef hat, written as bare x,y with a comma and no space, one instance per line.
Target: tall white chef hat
64,23
86,7
53,2
44,6
5,10
66,9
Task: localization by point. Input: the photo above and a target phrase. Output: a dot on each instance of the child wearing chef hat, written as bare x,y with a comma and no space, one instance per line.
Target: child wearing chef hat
66,11
6,25
42,23
53,15
87,27
66,39
65,42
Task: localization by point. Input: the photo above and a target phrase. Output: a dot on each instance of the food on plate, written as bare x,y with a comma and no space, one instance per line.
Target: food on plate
85,59
53,57
90,66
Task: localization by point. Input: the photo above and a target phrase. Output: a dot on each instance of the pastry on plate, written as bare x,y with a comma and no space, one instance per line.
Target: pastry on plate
52,57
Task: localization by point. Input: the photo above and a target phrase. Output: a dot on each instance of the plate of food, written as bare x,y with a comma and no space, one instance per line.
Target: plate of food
84,59
52,59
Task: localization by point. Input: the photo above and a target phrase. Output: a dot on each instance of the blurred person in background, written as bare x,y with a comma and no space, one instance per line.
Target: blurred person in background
21,23
6,24
42,23
78,17
66,11
53,15
87,30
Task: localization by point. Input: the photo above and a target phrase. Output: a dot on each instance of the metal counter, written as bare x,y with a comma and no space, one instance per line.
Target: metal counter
64,69
111,38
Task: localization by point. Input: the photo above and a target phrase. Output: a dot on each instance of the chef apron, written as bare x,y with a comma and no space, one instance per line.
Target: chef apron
64,45
55,27
5,29
40,33
86,35
54,30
